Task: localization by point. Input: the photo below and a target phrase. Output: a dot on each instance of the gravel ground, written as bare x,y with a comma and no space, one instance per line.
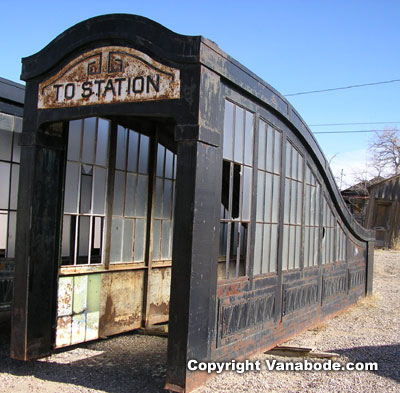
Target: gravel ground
136,363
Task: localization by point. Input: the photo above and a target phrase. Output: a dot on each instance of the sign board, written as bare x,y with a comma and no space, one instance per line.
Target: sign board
108,75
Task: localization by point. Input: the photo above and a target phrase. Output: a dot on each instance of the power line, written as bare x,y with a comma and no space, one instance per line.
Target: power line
342,88
348,131
351,124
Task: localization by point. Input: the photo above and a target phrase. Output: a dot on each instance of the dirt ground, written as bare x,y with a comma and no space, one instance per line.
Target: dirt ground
369,332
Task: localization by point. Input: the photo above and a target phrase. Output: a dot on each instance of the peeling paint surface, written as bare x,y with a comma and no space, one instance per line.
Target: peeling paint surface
108,75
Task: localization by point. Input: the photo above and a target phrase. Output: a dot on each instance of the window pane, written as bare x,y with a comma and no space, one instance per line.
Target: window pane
141,196
119,192
274,248
12,226
158,198
156,239
166,240
14,186
16,148
261,144
66,236
160,160
71,187
248,152
84,228
89,137
268,197
144,154
266,249
5,145
3,232
169,159
86,189
127,240
74,140
276,198
130,194
133,151
228,131
247,188
97,236
121,148
116,239
239,135
258,249
167,198
260,196
140,240
102,142
270,149
277,152
5,188
99,194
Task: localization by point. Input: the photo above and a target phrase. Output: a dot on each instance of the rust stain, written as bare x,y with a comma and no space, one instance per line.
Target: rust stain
109,75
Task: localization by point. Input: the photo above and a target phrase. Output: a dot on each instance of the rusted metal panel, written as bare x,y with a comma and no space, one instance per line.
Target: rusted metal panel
121,301
106,75
160,284
78,309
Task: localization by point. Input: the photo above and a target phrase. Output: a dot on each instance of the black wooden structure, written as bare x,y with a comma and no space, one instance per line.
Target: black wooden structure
11,111
163,181
383,212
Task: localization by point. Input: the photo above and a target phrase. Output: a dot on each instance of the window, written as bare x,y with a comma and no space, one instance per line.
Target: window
311,219
268,196
328,233
236,195
293,208
85,191
10,129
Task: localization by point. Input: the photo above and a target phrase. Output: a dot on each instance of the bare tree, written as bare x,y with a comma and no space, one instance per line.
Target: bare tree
385,151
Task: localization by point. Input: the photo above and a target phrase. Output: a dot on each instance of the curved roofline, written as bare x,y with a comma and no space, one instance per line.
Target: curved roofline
112,28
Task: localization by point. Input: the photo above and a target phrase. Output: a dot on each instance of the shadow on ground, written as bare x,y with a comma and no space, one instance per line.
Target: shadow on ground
387,357
127,363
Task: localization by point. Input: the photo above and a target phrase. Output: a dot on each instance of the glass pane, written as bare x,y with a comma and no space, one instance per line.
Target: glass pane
66,236
119,192
248,151
74,140
258,249
287,201
266,249
99,194
285,249
141,196
102,142
5,181
270,149
274,248
144,154
84,229
277,151
307,205
116,239
293,200
16,148
12,226
14,186
156,239
295,159
3,232
276,198
299,203
127,240
122,135
86,189
297,250
166,240
239,135
130,194
167,198
261,144
5,145
288,168
133,151
97,236
300,168
158,198
140,240
160,160
260,196
292,245
247,189
71,187
228,131
169,161
223,236
89,137
268,197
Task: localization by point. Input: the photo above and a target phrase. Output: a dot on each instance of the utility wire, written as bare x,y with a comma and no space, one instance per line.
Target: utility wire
351,124
348,131
341,88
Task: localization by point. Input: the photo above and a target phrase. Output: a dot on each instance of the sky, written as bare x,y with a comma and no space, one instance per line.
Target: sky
295,46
